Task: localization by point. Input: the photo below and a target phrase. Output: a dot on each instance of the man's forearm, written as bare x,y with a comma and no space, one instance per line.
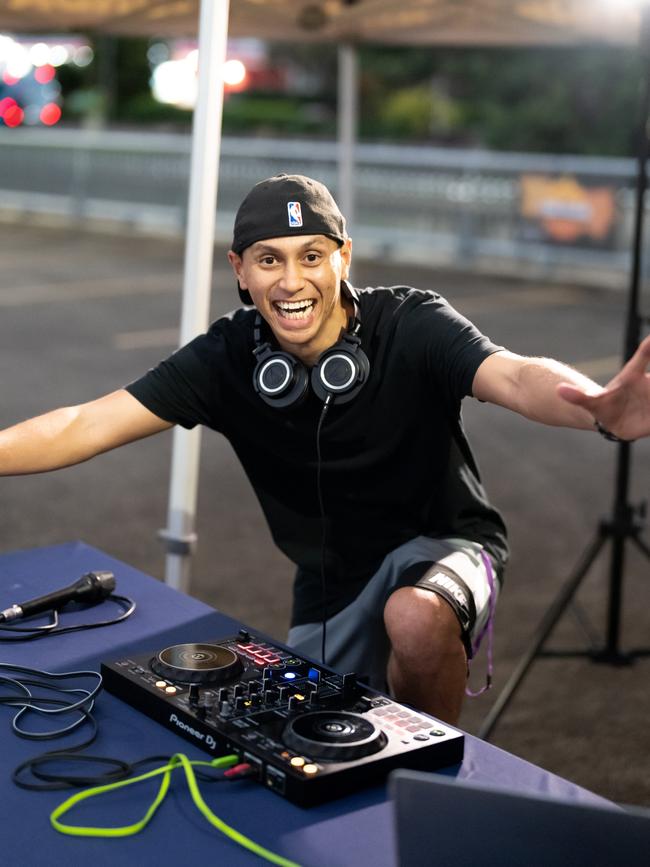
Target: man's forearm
46,442
76,433
538,398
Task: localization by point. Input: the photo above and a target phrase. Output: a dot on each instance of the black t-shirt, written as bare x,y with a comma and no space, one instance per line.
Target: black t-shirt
395,462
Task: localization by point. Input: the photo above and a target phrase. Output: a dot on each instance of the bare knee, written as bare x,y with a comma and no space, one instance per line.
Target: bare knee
420,623
427,666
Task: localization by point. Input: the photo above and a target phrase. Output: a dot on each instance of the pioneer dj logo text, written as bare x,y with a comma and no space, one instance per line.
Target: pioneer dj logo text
208,739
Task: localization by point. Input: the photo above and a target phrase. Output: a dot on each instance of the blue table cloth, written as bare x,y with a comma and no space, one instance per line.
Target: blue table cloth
355,830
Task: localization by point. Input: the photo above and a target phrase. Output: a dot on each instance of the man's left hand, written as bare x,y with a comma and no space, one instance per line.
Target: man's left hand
623,406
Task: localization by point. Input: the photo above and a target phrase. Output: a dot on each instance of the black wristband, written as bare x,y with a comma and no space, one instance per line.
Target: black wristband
608,434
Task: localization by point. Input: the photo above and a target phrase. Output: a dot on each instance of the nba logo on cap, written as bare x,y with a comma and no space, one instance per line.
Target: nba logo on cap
295,214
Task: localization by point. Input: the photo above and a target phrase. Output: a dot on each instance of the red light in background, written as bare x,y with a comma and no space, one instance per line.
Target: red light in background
13,116
9,80
50,114
45,73
6,104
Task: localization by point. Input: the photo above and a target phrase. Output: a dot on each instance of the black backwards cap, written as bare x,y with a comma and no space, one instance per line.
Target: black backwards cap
282,206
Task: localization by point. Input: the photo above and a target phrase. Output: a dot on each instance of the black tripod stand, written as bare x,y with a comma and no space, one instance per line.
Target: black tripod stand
625,524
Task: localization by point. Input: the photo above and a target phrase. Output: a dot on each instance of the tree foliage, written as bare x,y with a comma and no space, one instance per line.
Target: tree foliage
555,100
561,100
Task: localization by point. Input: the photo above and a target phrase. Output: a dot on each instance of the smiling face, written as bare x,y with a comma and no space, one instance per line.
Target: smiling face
295,283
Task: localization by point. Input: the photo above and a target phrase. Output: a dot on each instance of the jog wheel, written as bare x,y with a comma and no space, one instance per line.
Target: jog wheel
333,736
197,663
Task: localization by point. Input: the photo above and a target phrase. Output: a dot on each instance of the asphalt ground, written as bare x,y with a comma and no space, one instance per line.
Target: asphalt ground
82,314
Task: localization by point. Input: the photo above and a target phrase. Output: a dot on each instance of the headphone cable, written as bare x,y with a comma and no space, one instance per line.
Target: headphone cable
319,491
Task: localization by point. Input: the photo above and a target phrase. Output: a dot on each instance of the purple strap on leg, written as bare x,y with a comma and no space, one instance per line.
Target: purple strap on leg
489,628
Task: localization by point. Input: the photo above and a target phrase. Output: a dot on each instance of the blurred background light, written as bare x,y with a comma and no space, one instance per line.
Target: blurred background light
83,56
158,53
174,82
29,90
17,62
6,103
44,74
13,116
39,54
50,114
59,55
175,67
234,73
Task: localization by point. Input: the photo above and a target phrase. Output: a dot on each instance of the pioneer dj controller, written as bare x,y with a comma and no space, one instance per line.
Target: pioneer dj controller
308,733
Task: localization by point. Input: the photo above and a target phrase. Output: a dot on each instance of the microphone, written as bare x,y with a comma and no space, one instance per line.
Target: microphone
92,587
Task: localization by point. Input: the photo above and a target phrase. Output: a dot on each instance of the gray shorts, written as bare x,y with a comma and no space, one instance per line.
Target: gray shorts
356,639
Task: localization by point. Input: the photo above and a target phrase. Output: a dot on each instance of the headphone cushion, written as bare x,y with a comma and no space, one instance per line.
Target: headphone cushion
280,379
340,372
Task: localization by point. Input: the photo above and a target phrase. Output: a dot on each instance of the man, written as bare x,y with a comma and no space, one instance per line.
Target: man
344,409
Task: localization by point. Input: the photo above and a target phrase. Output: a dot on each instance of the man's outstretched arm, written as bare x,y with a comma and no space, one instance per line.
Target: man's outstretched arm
73,434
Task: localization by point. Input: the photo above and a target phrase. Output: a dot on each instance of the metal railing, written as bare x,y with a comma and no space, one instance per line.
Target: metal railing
460,208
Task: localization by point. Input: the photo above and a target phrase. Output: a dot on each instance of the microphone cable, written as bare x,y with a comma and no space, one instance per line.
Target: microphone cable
321,507
29,633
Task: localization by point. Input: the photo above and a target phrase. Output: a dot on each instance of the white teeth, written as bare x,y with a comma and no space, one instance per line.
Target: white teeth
294,305
294,309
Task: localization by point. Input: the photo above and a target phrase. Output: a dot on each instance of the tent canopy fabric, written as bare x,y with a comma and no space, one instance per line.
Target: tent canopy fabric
408,22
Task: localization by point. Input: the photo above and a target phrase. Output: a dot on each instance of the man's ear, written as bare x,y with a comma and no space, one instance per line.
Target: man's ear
236,264
346,258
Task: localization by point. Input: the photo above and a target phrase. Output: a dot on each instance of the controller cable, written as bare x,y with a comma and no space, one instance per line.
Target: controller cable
179,760
323,519
25,681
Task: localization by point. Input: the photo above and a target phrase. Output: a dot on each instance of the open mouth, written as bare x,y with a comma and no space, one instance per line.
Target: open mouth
295,309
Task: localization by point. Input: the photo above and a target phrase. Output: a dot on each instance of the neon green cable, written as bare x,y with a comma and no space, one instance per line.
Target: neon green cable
218,823
177,760
125,830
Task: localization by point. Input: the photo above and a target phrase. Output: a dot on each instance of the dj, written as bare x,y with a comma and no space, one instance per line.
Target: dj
343,406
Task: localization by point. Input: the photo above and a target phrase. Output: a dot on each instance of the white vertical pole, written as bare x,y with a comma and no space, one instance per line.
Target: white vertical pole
348,87
197,276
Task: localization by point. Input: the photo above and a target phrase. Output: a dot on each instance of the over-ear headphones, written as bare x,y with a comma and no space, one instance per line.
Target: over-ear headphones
340,372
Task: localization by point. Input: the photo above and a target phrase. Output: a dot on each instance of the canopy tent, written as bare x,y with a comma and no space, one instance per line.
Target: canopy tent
408,22
348,22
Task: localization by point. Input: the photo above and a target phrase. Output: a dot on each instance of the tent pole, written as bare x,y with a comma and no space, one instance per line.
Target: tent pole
348,104
197,277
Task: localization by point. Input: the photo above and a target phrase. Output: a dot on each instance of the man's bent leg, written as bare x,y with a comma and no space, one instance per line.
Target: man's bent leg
427,666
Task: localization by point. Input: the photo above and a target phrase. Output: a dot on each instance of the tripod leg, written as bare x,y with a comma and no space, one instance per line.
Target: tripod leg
642,546
549,620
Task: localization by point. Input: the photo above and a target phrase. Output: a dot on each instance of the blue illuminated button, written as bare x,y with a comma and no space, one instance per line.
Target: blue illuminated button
314,674
290,675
